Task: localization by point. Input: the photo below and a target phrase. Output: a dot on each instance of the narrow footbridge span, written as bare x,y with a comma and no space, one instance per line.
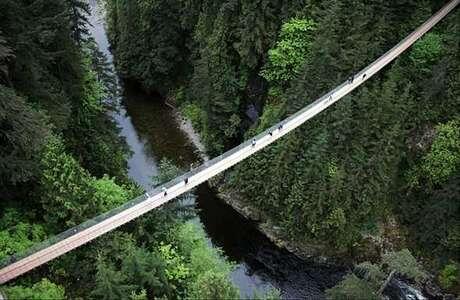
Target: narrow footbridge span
58,245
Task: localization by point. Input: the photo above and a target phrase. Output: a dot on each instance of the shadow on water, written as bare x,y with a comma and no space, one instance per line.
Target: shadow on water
153,133
155,123
259,259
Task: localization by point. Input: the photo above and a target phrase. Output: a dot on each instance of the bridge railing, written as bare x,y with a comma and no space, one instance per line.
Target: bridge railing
134,202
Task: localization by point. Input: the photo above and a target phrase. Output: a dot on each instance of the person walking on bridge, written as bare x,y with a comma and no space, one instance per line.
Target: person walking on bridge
351,78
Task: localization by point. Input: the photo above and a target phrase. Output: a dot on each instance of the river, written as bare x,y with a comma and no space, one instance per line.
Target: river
152,132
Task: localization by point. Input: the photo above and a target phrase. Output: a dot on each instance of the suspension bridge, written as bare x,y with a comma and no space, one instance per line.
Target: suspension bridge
58,245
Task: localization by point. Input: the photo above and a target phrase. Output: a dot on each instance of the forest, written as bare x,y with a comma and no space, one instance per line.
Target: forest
63,162
374,180
377,172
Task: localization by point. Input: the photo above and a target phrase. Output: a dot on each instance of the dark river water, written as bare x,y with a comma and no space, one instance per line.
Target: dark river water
153,133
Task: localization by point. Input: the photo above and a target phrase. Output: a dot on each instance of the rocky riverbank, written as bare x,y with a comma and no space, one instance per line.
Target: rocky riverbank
187,127
307,251
386,237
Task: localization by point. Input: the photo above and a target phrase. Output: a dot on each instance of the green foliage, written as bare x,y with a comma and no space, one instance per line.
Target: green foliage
192,245
55,135
372,274
431,215
291,52
159,57
431,209
443,159
323,183
307,177
70,195
19,238
6,55
181,265
273,111
94,138
233,126
195,114
108,194
207,272
352,288
102,67
147,270
452,241
179,96
270,116
16,235
426,51
66,187
79,11
312,182
45,68
173,256
449,275
141,296
93,93
367,279
22,133
328,180
212,54
41,61
404,263
444,156
212,286
110,284
215,84
43,289
175,268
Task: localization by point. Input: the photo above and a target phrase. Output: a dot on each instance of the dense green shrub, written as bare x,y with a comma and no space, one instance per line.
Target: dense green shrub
17,235
404,263
195,114
43,289
367,280
443,159
426,51
286,59
449,275
352,288
22,133
212,286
